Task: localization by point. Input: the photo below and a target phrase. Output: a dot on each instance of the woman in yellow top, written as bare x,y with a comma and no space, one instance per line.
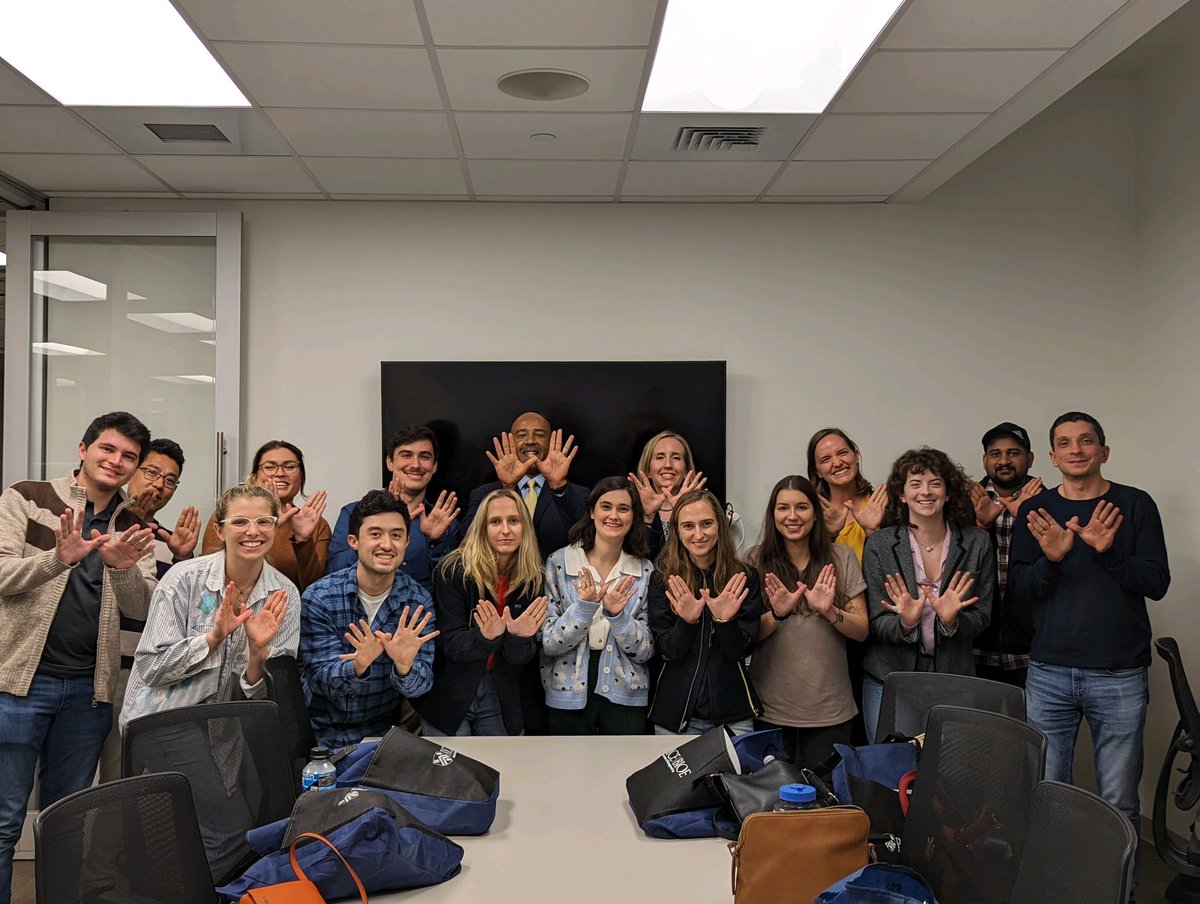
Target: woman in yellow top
852,508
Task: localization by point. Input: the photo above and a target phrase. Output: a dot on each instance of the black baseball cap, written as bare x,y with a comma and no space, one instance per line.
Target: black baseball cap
1008,428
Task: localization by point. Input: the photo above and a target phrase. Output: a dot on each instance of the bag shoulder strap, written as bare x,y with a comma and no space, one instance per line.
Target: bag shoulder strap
300,873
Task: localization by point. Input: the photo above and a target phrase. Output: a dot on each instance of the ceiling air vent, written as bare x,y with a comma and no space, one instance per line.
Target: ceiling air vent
715,140
186,131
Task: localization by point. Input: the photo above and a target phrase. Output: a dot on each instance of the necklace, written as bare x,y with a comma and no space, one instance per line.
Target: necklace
928,548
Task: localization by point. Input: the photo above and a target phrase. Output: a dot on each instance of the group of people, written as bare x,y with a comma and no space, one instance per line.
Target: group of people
550,607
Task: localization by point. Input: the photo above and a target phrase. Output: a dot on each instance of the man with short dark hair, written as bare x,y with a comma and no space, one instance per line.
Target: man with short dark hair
1085,557
72,555
534,460
411,456
1002,651
362,646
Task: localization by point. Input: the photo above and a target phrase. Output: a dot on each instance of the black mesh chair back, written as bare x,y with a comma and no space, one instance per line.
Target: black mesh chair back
1181,766
909,696
1078,850
131,841
971,802
234,758
285,689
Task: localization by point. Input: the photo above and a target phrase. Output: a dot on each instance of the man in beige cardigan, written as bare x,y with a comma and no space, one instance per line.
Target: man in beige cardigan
72,554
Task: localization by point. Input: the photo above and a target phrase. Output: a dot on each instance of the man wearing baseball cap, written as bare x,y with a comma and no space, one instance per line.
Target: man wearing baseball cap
1002,651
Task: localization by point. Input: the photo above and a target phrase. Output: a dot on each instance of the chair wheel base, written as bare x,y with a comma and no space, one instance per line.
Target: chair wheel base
1183,890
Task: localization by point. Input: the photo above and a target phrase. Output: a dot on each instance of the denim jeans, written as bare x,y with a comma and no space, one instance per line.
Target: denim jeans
57,725
700,726
482,718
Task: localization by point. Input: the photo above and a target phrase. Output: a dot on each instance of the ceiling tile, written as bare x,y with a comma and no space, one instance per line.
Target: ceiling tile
544,177
258,195
657,134
327,75
942,24
542,23
78,172
886,137
359,22
231,174
659,178
49,130
471,76
16,89
827,199
116,194
967,81
853,177
248,132
579,136
364,133
378,176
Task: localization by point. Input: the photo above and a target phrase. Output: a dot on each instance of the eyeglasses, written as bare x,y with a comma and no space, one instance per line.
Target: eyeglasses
264,523
154,475
288,467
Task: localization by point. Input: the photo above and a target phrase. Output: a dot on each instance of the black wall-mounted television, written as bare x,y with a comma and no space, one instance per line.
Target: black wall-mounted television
611,407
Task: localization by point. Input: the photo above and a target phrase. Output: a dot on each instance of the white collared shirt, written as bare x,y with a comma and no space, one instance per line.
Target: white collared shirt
574,561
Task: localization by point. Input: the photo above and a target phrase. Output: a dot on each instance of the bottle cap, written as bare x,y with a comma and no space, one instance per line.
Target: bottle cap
319,753
798,794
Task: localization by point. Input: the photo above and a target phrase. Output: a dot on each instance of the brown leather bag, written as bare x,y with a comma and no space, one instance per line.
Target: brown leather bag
794,856
302,890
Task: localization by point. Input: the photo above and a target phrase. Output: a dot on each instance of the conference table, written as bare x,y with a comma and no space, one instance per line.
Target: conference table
564,831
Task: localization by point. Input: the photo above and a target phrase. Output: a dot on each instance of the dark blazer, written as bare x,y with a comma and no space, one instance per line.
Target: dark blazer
888,551
555,515
461,653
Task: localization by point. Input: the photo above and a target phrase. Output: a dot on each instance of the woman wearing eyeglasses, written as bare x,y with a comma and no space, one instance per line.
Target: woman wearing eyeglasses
214,621
301,542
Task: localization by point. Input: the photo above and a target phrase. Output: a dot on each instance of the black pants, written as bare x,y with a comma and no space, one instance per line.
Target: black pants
598,716
808,747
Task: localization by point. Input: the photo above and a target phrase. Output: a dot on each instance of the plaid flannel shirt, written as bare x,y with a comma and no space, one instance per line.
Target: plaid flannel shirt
1002,533
345,708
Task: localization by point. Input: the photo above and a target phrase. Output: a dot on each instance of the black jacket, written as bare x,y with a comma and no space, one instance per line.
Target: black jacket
461,653
690,652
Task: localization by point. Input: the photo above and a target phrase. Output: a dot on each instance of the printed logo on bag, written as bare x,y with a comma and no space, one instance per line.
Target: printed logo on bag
444,756
677,764
349,797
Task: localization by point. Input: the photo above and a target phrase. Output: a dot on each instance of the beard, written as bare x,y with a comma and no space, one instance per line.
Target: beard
1011,484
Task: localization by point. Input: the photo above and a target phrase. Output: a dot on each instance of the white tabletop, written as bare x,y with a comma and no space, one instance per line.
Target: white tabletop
564,831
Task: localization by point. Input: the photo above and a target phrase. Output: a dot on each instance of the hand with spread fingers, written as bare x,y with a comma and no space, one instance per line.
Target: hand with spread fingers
70,546
870,516
507,462
783,602
228,617
1054,539
692,480
986,510
652,499
529,622
954,598
823,593
558,461
901,602
403,644
306,519
684,603
125,550
834,516
1101,529
182,540
367,646
1033,488
262,626
618,594
725,605
587,588
435,521
491,625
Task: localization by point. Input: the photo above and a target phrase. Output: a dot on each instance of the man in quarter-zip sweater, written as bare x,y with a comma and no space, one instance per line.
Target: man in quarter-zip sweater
71,555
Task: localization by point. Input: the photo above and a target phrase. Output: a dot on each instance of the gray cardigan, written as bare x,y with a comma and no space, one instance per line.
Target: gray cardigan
889,650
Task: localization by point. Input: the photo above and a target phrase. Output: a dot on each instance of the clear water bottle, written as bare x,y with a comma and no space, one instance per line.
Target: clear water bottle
796,797
319,774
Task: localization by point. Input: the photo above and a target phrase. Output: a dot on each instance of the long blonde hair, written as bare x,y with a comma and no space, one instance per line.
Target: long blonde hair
478,561
648,452
675,559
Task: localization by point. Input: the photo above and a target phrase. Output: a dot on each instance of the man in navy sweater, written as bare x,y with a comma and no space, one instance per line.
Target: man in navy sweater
1085,557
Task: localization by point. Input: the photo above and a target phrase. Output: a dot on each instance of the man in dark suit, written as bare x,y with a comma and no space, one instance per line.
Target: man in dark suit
534,461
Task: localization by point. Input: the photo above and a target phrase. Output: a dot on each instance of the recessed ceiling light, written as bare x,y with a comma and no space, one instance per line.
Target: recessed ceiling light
57,348
543,136
190,379
66,285
175,322
543,84
760,56
136,53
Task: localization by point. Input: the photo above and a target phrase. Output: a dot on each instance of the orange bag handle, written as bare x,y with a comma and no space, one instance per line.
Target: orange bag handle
300,873
906,782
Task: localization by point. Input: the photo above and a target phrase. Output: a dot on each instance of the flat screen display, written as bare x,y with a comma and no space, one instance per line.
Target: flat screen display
612,408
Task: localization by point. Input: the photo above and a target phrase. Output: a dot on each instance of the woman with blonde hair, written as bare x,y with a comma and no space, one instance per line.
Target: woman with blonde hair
705,605
487,595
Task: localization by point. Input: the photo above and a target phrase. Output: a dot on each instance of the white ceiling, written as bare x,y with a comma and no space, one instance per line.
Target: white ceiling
398,99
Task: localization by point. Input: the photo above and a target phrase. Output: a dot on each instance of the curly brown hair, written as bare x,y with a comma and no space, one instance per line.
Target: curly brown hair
958,510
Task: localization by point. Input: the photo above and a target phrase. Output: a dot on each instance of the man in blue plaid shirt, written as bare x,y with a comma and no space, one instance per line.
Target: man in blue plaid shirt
363,641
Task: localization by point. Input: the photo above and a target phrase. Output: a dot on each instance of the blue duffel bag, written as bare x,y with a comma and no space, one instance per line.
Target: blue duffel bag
447,791
879,883
386,846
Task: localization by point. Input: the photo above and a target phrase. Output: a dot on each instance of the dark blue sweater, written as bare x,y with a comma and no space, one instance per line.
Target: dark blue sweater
1089,610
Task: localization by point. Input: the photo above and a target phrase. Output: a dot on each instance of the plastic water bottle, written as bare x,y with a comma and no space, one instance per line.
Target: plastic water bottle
319,774
796,797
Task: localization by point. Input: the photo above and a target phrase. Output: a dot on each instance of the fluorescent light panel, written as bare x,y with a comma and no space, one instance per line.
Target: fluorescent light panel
760,56
175,322
135,53
3,259
55,349
189,379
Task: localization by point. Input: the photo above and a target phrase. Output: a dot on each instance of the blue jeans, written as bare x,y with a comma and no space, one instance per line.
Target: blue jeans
700,726
483,716
57,725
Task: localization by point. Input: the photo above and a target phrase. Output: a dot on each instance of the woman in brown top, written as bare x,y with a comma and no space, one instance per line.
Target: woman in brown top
814,591
301,542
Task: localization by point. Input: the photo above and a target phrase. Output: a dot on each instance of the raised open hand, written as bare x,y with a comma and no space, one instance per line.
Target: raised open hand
488,619
529,622
834,516
986,510
306,519
367,646
70,546
823,592
1031,489
870,516
618,594
652,499
902,602
725,605
262,626
1054,539
1101,529
954,599
684,603
403,644
509,467
228,616
587,588
558,460
182,540
692,480
783,602
436,519
124,551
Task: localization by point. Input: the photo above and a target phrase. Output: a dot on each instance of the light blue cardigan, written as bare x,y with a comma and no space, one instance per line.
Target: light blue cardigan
624,677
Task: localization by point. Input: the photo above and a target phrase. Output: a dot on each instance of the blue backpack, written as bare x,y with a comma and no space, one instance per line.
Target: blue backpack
879,883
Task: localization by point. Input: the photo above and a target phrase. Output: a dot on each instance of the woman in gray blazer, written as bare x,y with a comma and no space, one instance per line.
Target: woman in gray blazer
930,576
